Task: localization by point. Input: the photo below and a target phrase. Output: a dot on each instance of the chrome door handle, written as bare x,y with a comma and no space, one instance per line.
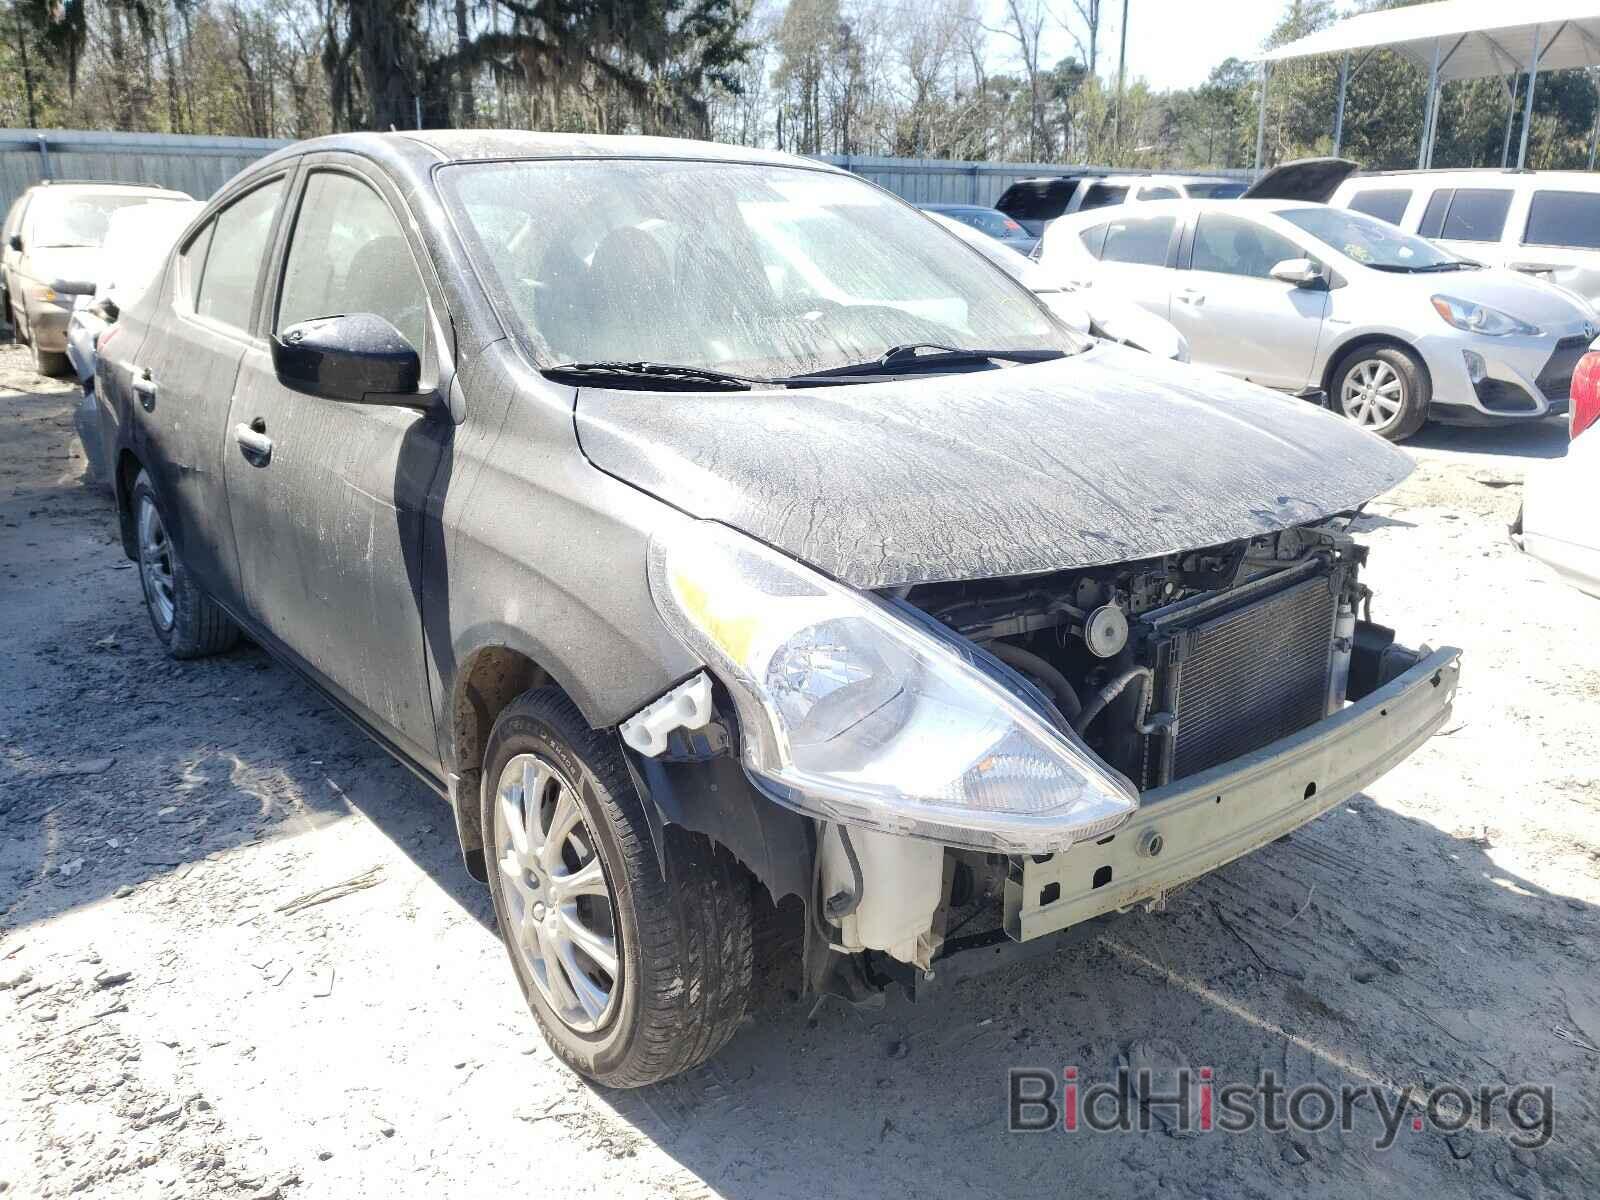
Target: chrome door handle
145,388
254,442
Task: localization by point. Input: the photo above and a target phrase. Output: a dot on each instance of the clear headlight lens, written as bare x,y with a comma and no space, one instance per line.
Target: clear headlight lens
849,712
1479,318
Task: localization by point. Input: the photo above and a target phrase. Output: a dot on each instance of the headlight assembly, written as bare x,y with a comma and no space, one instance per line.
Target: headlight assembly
1479,318
848,712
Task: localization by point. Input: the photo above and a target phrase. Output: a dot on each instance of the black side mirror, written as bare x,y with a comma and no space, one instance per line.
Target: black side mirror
358,357
16,241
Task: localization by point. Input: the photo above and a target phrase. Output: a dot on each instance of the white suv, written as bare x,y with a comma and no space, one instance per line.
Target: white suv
1543,223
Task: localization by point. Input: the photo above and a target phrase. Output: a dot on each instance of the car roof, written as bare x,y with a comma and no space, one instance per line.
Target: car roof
1179,207
469,144
1478,175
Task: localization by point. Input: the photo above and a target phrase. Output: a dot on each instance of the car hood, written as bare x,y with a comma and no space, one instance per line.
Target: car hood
76,263
1103,457
1544,304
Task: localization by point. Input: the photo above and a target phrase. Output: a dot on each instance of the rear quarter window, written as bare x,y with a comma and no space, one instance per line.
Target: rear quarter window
1563,219
1093,238
1387,204
1139,240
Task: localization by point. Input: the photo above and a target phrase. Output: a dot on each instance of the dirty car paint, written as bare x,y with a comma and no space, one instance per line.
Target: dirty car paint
1100,458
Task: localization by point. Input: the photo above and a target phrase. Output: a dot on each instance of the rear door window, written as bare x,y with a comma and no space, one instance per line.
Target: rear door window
1387,204
1140,240
1101,195
1564,219
233,262
1466,214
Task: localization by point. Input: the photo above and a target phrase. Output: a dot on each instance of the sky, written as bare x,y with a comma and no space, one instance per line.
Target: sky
1171,43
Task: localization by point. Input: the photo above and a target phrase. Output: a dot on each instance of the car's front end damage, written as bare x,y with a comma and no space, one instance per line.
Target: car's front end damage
1202,704
1093,657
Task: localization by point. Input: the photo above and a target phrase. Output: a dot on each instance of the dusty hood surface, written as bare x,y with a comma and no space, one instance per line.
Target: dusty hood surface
1106,456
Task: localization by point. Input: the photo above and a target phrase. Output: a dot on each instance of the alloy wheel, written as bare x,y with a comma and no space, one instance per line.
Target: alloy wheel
155,564
558,901
1373,394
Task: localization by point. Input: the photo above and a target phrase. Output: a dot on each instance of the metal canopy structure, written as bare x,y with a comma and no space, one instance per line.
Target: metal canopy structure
1456,39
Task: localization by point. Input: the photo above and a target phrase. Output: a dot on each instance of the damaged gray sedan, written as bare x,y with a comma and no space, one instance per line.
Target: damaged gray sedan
736,549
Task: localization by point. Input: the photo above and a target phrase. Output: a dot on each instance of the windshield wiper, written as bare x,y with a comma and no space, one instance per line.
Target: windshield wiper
652,375
1451,264
920,355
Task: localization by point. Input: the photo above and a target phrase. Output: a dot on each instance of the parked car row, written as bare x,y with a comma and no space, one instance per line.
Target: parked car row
714,530
1034,203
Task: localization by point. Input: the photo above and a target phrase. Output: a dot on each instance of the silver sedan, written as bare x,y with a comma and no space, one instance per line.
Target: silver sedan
1392,329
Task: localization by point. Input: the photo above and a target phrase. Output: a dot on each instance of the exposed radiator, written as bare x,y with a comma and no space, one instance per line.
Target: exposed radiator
1246,677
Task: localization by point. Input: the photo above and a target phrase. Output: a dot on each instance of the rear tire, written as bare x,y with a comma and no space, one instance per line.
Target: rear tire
189,623
681,946
1385,390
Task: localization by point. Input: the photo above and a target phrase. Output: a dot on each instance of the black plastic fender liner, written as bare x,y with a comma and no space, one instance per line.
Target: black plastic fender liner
713,796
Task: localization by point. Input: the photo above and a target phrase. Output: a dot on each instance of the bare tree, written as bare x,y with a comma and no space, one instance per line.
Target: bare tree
1088,42
1025,26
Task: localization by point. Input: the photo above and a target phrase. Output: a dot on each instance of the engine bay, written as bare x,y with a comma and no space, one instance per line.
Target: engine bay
1166,666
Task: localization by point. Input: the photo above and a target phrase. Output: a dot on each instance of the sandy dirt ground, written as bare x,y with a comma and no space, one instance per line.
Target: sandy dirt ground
238,956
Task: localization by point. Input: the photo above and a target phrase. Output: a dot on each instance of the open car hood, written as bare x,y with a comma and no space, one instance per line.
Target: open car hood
1313,179
1103,457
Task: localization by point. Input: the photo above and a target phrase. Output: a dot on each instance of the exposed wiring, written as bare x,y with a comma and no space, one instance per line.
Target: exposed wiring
858,883
846,907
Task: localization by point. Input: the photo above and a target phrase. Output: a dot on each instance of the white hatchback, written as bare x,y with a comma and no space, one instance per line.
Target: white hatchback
1318,301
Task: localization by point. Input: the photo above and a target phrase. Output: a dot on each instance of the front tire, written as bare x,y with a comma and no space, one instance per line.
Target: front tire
189,623
49,363
1385,390
633,978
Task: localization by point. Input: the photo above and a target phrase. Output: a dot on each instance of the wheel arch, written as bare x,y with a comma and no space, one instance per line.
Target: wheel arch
1368,341
485,683
123,475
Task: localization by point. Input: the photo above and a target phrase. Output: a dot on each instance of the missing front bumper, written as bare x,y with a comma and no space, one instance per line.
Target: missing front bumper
1199,823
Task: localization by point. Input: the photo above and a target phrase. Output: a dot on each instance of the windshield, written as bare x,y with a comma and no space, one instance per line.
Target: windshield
1370,242
81,219
761,271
